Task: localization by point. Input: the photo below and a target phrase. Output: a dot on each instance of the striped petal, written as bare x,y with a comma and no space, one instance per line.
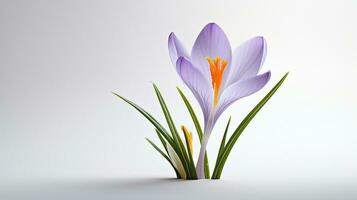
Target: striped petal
199,86
241,89
247,59
211,42
176,48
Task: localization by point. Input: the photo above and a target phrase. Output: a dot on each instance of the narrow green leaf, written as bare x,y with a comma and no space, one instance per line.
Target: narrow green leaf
163,142
173,130
206,166
223,142
165,156
147,116
221,148
190,169
153,121
232,140
198,129
166,112
176,161
175,147
192,113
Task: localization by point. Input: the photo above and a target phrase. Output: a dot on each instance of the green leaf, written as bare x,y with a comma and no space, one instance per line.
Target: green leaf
192,113
206,166
189,168
198,129
163,142
232,140
176,161
166,112
165,156
221,148
156,124
147,116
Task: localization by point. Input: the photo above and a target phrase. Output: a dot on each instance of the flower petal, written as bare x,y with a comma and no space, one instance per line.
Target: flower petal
176,49
212,42
241,89
247,59
199,86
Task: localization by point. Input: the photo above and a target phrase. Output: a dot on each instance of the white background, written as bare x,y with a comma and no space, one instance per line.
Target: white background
60,60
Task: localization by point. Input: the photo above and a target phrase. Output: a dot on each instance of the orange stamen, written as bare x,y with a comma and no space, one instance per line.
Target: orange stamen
217,67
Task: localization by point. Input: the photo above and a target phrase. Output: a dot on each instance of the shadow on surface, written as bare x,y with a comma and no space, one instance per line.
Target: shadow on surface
171,188
128,184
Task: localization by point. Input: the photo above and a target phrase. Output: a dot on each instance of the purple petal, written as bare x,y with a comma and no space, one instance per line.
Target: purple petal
212,42
247,59
241,89
176,49
199,86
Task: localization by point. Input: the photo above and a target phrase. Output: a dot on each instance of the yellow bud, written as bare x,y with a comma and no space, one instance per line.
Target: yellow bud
189,137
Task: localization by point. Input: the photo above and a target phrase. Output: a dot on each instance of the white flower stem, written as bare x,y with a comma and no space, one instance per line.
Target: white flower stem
200,163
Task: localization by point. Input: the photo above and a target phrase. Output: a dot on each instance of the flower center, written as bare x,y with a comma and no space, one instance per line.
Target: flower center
216,67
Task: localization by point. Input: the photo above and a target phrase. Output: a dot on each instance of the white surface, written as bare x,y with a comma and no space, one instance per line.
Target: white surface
60,60
164,188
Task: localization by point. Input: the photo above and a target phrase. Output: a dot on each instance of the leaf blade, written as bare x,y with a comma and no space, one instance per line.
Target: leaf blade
244,124
221,148
165,156
152,120
147,115
192,113
198,129
190,169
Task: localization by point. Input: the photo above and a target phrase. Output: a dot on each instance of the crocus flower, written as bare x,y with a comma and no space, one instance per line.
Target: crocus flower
216,76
